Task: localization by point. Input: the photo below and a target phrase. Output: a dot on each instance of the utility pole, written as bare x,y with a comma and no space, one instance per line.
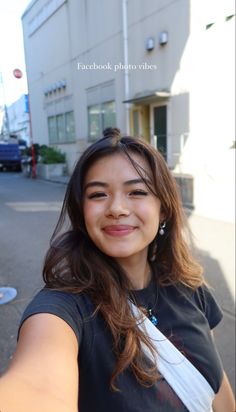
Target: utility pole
18,74
126,62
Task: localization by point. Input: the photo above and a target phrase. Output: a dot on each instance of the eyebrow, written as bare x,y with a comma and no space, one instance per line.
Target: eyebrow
127,183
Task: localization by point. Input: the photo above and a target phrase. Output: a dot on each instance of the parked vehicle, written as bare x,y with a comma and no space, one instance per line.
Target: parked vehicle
10,156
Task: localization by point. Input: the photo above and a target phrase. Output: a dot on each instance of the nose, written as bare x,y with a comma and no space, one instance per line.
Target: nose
117,208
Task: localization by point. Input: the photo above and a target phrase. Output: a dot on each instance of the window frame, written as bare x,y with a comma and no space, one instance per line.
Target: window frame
61,136
101,119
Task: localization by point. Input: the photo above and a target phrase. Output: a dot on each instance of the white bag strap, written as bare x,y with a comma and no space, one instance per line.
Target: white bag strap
187,382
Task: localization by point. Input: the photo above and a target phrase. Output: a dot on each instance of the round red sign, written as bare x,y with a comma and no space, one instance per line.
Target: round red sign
17,73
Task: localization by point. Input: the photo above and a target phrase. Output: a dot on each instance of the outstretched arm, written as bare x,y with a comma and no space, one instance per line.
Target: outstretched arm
224,400
43,375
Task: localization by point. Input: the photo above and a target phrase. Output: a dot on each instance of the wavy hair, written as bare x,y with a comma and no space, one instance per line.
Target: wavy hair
74,263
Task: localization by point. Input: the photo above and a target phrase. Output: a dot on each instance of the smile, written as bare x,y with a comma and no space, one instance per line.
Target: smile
119,230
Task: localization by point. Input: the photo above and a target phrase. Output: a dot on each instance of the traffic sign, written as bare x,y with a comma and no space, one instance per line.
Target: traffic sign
17,73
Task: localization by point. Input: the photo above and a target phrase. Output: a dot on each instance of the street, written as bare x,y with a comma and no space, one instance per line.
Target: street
28,212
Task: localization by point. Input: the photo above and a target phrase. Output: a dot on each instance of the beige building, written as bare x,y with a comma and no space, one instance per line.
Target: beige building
160,69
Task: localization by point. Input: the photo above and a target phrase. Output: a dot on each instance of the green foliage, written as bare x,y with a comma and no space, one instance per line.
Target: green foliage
49,155
45,154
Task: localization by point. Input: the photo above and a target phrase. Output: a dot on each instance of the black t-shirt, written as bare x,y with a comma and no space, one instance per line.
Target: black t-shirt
184,316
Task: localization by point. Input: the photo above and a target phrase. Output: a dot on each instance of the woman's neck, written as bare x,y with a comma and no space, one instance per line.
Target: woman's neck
138,272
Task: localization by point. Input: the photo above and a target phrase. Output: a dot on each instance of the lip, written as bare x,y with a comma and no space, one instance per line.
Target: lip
119,230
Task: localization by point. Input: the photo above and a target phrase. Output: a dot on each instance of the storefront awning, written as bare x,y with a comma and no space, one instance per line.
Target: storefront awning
149,97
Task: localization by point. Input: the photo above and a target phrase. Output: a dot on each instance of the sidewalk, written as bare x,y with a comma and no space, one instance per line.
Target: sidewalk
215,243
57,179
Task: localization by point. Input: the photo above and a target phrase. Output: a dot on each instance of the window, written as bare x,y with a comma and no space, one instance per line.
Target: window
70,126
136,123
61,128
108,115
60,119
160,128
52,129
94,122
101,116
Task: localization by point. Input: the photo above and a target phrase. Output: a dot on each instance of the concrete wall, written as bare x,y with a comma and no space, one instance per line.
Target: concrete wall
99,41
149,19
47,51
207,153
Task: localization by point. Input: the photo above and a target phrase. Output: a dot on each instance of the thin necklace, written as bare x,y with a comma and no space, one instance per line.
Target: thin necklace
149,311
151,316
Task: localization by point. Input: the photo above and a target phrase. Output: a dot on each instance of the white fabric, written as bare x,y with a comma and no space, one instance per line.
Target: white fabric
186,381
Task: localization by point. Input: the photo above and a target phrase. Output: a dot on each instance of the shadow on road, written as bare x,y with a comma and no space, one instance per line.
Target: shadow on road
225,331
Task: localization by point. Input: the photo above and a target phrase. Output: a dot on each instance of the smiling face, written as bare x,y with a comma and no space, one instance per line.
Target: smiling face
121,214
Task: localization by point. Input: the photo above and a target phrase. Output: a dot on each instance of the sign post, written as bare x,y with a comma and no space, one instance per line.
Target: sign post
18,75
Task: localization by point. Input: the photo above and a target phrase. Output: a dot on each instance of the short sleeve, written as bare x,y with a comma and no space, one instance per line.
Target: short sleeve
208,304
61,304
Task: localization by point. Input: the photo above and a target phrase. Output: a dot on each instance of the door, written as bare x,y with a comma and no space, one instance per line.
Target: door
160,129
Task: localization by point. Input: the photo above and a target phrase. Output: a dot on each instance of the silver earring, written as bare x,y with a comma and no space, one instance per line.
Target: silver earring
161,228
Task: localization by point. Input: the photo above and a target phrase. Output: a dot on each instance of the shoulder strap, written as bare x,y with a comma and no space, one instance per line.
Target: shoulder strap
187,382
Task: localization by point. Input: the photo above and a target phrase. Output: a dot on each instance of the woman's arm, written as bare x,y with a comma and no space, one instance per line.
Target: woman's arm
224,400
43,375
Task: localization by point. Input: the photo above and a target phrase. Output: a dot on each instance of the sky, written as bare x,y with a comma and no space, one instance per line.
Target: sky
12,50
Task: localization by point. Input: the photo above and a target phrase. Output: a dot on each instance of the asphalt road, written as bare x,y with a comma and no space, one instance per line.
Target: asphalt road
29,210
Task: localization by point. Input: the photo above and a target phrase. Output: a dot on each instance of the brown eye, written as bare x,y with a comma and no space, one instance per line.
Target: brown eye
139,193
96,195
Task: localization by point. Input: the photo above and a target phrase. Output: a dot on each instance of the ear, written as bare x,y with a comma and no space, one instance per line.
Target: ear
162,217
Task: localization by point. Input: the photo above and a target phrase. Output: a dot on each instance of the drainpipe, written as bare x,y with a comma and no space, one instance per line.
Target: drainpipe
126,62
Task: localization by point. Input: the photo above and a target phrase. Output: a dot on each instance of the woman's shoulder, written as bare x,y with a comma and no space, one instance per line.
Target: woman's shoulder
202,291
202,298
49,297
73,308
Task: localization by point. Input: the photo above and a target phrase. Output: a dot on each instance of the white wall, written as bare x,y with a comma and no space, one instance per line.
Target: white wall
210,61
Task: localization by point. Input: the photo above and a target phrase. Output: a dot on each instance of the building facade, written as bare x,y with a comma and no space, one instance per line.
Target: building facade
18,118
152,69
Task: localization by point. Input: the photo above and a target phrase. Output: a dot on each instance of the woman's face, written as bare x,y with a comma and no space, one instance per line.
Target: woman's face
121,214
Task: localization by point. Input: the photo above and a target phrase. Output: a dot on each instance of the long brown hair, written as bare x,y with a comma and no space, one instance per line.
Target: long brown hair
74,263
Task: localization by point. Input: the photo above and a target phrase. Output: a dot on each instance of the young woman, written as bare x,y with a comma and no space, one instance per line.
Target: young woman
123,262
